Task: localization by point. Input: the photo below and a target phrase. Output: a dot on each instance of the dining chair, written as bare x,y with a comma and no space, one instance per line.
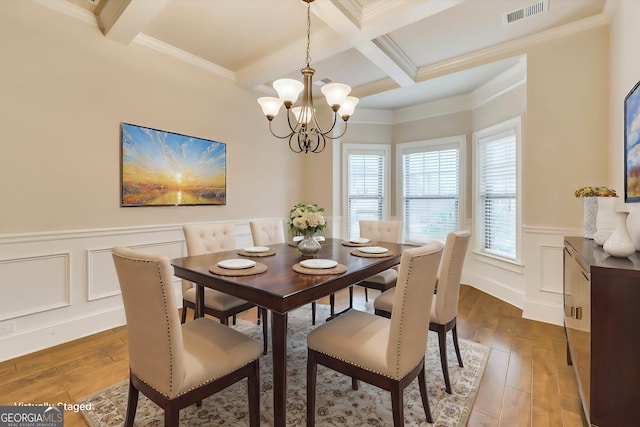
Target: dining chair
379,231
387,353
270,232
207,238
176,365
444,307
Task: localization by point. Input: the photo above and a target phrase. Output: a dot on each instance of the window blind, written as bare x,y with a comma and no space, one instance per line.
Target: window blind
365,188
498,192
430,194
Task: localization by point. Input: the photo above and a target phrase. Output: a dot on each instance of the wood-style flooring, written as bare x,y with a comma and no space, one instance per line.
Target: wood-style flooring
527,381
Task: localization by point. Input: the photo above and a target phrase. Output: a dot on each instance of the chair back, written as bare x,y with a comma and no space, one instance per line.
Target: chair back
206,238
381,231
455,250
156,352
411,307
267,232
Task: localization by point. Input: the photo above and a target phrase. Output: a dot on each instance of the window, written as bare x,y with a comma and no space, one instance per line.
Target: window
366,184
497,201
431,179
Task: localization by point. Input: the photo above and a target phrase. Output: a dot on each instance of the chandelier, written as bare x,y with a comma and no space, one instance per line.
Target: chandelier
305,133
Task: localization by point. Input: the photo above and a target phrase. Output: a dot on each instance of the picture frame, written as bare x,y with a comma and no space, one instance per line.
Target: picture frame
161,168
632,145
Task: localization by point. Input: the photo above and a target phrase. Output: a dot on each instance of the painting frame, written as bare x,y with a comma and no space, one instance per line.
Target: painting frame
632,145
163,168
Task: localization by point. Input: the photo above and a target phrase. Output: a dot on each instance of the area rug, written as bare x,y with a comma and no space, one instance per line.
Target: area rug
336,402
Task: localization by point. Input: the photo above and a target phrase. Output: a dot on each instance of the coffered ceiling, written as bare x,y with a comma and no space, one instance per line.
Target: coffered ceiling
393,53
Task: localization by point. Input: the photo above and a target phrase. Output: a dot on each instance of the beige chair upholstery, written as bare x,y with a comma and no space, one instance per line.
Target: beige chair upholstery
270,232
177,365
267,232
444,307
206,238
380,231
388,353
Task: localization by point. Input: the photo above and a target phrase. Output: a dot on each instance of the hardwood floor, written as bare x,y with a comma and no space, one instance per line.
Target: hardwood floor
527,381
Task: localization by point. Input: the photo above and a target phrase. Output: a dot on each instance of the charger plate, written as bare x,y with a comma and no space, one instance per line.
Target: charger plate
338,269
358,252
256,269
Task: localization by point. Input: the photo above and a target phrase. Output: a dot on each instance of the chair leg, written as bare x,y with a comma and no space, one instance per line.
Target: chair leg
422,381
332,304
366,295
234,319
265,329
313,313
442,340
183,315
454,331
253,390
171,416
259,311
225,321
132,405
350,296
397,405
312,369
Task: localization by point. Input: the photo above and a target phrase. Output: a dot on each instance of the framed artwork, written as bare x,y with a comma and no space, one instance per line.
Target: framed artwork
160,168
632,145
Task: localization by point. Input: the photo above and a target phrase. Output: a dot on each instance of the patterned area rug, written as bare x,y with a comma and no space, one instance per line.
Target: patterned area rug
337,404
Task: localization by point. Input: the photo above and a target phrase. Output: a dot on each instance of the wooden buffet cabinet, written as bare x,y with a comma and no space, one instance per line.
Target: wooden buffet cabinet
602,323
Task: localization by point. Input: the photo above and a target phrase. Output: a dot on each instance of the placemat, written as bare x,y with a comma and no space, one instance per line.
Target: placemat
338,269
256,269
348,243
270,252
358,252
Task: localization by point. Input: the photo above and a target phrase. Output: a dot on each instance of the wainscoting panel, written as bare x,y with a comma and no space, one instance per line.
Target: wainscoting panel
34,284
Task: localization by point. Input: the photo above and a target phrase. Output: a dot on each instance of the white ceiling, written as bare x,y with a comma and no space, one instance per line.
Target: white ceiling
393,53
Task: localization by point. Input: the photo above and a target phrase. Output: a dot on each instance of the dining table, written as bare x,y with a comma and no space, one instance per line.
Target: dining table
280,286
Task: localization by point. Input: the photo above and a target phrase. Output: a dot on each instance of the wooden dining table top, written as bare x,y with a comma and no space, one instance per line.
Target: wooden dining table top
280,288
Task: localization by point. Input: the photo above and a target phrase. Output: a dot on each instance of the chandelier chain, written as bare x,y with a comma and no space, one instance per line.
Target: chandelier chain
308,34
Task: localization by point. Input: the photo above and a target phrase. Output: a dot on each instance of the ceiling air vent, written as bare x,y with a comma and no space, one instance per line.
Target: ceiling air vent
526,12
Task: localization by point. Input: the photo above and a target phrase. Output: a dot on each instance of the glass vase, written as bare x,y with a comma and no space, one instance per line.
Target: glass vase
308,246
590,213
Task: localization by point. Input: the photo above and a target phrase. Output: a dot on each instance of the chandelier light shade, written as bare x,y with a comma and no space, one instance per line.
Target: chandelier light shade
305,134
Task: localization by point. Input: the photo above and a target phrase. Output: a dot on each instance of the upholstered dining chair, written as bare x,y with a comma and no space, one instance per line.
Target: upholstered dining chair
379,231
176,365
270,232
387,353
215,237
444,307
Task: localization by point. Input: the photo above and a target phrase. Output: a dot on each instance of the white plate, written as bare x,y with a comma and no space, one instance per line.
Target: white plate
257,249
373,250
236,263
359,240
297,238
318,263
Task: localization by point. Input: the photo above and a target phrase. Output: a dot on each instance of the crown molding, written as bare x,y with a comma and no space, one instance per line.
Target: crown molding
440,107
181,55
501,84
70,9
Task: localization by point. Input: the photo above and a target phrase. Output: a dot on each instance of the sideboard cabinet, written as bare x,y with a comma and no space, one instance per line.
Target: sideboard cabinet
602,323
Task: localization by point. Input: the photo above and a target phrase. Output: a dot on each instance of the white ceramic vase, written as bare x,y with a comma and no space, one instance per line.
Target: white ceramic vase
619,244
590,213
605,219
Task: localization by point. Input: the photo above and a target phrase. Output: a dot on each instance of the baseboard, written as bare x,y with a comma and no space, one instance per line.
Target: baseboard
543,312
30,340
495,289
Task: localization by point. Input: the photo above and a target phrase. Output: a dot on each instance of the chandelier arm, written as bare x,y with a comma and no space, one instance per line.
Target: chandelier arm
289,135
291,146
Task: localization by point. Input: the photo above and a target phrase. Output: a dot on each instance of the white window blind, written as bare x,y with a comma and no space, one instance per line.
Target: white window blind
430,193
365,188
498,193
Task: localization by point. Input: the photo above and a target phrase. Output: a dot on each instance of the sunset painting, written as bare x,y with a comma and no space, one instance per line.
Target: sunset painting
167,169
632,145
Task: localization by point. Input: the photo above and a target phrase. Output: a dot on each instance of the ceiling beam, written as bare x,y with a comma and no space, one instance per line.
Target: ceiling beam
123,20
366,33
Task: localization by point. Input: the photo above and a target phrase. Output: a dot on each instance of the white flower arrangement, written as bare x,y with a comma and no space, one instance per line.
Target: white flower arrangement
306,218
